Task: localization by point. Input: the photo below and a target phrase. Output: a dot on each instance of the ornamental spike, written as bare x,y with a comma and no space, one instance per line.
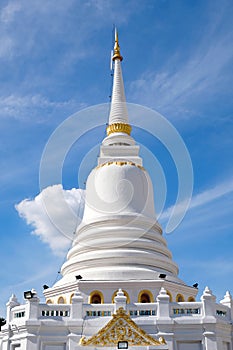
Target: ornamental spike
116,53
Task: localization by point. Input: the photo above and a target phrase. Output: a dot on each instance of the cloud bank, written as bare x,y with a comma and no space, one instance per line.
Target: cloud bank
54,215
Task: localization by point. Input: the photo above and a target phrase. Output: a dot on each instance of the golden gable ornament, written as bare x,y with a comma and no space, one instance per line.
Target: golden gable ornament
121,328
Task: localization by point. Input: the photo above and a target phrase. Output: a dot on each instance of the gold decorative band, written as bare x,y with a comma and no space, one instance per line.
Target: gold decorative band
120,163
117,55
119,127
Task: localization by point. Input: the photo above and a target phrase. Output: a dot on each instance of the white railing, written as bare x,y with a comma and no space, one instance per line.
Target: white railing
94,310
53,311
222,312
19,312
18,316
137,309
142,309
186,309
60,311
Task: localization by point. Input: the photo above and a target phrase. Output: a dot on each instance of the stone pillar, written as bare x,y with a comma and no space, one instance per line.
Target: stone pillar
13,301
77,305
164,322
209,319
6,340
32,306
120,300
227,301
163,310
208,300
210,340
29,342
76,321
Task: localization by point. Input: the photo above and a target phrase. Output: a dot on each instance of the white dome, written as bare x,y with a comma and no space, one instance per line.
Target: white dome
119,237
118,188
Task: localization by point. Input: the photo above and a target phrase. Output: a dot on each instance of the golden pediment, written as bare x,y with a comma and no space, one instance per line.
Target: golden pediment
121,328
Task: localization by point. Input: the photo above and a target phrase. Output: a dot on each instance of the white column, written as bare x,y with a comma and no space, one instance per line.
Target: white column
32,307
120,300
209,319
77,305
13,301
29,342
208,300
75,324
227,301
163,310
164,322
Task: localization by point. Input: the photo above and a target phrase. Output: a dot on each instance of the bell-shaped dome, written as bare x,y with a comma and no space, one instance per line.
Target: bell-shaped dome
118,188
119,237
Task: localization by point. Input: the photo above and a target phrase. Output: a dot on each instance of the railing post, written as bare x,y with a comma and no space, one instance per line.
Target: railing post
120,300
208,300
164,321
76,321
227,301
32,306
163,300
77,305
32,322
209,310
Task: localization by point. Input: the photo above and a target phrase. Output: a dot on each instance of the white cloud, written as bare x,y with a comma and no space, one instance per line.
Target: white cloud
28,39
54,214
202,198
166,89
7,40
28,101
215,267
212,193
19,107
8,12
6,45
184,77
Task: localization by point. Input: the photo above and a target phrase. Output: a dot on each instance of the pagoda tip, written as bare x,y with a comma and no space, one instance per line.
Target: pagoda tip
116,52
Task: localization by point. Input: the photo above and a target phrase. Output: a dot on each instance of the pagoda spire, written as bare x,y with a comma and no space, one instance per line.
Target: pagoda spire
117,53
118,117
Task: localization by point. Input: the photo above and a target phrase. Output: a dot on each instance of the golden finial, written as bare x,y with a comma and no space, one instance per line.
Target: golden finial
116,53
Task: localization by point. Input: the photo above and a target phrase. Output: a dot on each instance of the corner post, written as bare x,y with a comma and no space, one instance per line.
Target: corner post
13,301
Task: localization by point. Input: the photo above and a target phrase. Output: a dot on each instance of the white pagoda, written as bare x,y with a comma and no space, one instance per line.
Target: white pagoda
119,287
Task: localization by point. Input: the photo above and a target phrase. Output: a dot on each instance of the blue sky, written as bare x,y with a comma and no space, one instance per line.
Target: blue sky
54,61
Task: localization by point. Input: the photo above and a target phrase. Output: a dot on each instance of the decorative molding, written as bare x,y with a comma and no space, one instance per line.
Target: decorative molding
120,163
119,127
179,298
148,292
121,328
191,299
61,299
71,296
170,295
96,292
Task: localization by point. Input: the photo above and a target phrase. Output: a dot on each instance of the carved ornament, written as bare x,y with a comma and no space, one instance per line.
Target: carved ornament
121,328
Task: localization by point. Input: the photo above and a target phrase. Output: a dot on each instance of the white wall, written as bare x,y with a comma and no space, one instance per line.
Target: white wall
189,345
